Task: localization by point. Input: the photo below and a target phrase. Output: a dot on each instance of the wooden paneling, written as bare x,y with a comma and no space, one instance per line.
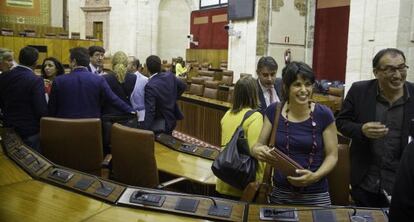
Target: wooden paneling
7,42
202,118
58,48
213,56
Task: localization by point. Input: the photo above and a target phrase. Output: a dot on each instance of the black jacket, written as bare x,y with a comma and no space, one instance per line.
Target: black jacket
278,88
402,203
358,108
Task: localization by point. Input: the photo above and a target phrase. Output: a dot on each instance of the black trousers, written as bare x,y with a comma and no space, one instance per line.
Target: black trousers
363,198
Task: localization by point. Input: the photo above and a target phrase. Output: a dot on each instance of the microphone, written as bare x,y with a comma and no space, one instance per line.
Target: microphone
103,190
273,213
157,199
316,209
145,195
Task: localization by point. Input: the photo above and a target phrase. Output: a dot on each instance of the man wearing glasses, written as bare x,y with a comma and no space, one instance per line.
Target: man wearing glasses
376,114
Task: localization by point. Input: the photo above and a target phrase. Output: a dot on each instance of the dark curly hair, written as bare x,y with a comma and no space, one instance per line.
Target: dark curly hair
59,67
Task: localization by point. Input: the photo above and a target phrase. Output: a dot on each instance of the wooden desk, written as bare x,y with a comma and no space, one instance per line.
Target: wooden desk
202,117
10,173
37,201
130,214
31,200
341,214
180,164
58,48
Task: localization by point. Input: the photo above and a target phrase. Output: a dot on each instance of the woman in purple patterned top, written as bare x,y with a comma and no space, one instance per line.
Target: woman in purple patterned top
306,132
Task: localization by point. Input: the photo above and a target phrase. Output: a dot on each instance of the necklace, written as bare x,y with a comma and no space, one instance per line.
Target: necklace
314,144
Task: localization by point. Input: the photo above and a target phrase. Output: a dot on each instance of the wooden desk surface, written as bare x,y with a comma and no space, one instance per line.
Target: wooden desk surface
37,201
224,105
342,215
25,199
10,173
129,214
184,165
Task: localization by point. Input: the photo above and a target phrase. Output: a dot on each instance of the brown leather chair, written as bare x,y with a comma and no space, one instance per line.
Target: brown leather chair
133,158
206,73
73,143
211,89
207,78
197,86
230,96
242,75
339,177
227,80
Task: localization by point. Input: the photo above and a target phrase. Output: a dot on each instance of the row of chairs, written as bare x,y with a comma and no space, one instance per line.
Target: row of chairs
77,144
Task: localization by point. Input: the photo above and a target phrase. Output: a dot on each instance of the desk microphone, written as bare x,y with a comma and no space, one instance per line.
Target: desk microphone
145,195
317,209
100,182
104,190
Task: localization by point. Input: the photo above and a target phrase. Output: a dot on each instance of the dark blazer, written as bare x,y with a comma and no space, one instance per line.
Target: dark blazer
278,88
402,203
161,94
82,94
358,108
122,90
22,100
129,84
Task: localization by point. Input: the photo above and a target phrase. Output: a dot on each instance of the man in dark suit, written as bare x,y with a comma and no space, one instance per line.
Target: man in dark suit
161,94
376,115
80,94
22,98
402,203
270,87
96,54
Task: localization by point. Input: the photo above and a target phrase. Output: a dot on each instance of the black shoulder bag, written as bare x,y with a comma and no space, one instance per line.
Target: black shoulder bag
234,165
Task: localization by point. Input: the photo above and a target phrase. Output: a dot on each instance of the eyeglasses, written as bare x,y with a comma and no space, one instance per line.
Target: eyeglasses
389,70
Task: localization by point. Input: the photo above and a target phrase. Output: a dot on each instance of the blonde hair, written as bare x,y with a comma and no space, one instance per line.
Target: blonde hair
120,65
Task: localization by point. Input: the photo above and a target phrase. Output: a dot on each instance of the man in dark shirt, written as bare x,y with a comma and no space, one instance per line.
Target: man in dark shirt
402,204
270,87
22,98
96,54
375,115
80,94
161,94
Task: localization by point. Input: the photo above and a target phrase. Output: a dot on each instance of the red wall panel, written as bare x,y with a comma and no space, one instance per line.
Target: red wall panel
209,35
331,42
